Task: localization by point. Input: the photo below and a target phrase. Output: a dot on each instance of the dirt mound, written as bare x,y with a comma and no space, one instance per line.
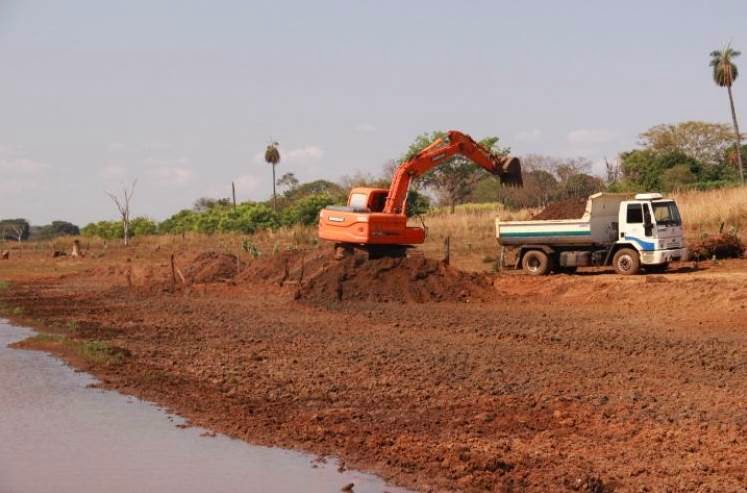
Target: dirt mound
212,267
564,209
406,280
727,245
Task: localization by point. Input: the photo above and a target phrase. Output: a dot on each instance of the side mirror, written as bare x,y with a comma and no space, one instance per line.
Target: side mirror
648,228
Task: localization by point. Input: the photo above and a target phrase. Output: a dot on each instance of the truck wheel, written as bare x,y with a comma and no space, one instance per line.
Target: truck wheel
627,262
536,263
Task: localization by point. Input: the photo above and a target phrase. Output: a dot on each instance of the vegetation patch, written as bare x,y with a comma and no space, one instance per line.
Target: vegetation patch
90,351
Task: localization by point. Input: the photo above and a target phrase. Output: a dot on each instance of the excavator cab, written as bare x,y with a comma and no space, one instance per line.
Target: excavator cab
367,199
363,222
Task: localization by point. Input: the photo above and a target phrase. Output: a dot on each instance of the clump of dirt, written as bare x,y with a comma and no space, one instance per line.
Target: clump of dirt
405,280
564,209
212,266
726,245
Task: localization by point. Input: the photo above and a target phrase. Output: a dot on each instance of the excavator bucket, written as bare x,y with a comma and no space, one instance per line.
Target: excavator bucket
510,172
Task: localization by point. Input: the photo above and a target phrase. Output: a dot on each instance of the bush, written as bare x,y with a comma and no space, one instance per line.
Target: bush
306,210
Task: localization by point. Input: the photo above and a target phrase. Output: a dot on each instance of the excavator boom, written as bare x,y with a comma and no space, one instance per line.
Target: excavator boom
377,218
508,169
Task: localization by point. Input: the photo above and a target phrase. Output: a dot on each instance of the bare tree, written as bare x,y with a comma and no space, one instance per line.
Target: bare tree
123,205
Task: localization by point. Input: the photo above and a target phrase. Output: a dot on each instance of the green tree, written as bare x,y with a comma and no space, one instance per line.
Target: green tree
704,141
643,169
288,181
452,181
677,176
14,229
725,72
272,157
143,226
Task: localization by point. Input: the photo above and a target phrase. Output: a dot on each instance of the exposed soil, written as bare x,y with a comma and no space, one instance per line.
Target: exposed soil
413,279
593,382
564,209
212,267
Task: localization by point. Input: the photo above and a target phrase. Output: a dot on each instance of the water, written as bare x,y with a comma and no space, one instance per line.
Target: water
58,435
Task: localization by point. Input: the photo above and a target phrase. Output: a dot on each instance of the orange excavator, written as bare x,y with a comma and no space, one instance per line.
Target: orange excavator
375,219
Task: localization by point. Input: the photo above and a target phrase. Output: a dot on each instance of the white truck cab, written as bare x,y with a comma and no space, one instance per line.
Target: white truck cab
623,230
652,225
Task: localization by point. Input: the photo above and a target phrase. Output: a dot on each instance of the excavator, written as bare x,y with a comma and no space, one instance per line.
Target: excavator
375,219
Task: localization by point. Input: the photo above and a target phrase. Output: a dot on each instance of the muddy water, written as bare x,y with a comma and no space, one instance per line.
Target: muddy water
58,435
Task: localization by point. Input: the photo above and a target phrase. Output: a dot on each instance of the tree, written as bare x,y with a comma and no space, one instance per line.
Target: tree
452,181
704,141
123,206
644,168
206,203
724,74
14,229
288,181
272,157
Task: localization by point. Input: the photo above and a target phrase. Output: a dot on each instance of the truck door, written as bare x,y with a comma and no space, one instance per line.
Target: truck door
636,226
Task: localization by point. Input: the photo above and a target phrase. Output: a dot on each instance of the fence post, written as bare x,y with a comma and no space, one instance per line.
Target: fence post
447,250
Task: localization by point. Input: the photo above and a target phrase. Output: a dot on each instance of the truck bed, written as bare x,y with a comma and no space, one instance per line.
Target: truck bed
549,232
598,226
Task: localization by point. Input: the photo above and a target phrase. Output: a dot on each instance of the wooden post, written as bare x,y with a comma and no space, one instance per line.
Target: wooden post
447,250
502,259
173,273
233,193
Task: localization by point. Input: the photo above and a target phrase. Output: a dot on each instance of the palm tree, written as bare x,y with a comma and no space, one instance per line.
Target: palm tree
724,74
272,156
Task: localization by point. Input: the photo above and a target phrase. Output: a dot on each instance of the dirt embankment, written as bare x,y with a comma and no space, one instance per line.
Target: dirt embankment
592,382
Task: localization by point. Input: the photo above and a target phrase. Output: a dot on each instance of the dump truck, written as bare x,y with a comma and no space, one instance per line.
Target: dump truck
629,232
375,219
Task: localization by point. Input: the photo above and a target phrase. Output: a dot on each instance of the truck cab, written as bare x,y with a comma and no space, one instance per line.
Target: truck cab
652,225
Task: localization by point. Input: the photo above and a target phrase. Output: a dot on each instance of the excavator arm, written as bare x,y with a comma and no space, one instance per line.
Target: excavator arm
507,168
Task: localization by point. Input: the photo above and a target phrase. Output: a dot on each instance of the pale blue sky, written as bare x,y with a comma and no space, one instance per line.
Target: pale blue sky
184,95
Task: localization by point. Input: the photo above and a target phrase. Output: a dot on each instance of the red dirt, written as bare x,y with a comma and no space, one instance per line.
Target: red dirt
212,267
403,280
564,209
590,382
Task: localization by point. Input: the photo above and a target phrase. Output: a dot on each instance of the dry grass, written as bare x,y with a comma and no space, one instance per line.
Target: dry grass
705,212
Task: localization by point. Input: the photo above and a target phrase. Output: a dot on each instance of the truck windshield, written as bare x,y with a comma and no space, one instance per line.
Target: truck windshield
666,213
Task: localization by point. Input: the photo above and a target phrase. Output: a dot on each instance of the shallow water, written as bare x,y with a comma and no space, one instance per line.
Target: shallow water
58,435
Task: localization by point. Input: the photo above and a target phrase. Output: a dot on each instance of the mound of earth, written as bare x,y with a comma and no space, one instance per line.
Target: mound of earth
212,267
727,245
405,280
564,209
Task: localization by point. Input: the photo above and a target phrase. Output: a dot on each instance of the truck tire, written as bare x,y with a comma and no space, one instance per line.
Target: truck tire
627,262
536,263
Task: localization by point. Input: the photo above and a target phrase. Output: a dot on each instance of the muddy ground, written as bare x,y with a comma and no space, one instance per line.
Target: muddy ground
433,378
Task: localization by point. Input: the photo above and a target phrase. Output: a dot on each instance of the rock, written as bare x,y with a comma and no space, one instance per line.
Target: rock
5,255
348,487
